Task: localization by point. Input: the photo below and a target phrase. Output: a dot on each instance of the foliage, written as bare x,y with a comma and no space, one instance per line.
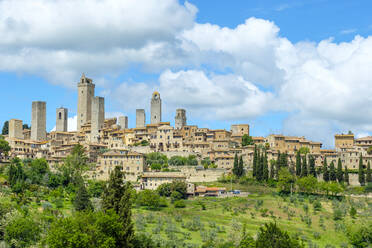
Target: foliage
298,164
304,166
307,184
87,229
361,176
368,174
4,146
82,201
238,169
332,172
156,158
180,161
96,188
286,180
325,170
270,235
360,236
179,204
149,199
304,150
339,173
346,177
247,140
22,230
5,130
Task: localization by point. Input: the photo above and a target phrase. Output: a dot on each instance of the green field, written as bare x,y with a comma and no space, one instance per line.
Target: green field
224,218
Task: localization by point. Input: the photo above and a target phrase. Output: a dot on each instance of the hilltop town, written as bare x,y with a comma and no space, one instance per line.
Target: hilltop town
110,142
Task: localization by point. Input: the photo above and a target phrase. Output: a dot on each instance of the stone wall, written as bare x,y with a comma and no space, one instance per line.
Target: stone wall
16,129
38,121
61,120
140,118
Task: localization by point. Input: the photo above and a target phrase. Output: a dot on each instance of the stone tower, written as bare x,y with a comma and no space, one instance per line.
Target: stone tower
155,108
123,122
16,129
38,121
98,117
61,119
140,118
85,97
180,119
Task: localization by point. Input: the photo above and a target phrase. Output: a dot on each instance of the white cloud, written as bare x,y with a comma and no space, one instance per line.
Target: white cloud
207,97
348,31
62,38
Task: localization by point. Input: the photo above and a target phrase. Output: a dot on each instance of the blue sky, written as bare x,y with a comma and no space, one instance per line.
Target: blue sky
292,67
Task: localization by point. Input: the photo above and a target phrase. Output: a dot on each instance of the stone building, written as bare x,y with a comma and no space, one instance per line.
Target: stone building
180,119
85,98
140,118
98,117
155,108
16,129
152,180
123,122
38,121
61,119
343,141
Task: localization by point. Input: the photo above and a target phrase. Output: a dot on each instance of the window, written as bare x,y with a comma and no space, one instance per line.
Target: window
60,115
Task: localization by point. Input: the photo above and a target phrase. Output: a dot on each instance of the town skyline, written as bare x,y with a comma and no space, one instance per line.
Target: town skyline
279,77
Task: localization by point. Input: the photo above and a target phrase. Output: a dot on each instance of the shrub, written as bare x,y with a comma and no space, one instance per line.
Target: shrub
179,204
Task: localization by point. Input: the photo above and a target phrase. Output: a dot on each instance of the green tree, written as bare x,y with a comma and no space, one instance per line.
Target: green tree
5,130
82,201
255,158
304,150
87,230
325,170
180,187
304,167
272,169
346,178
259,168
156,158
307,184
361,176
368,174
339,173
24,230
265,172
369,150
286,180
298,164
117,197
164,189
4,147
149,199
241,167
235,169
312,170
25,126
247,140
270,235
332,172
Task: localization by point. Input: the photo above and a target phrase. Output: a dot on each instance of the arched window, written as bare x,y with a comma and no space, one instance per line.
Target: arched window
59,115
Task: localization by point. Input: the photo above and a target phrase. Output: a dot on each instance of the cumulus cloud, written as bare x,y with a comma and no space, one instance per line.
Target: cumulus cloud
207,97
99,37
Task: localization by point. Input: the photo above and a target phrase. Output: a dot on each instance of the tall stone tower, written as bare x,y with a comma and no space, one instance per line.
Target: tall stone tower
140,118
85,97
61,119
98,117
16,129
180,119
38,121
155,108
123,122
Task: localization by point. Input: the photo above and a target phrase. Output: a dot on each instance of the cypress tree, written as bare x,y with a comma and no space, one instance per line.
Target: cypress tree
117,196
346,178
127,237
260,167
114,191
304,167
255,161
298,164
272,169
340,174
325,170
235,169
241,167
369,176
82,201
332,172
277,166
265,168
361,176
312,170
